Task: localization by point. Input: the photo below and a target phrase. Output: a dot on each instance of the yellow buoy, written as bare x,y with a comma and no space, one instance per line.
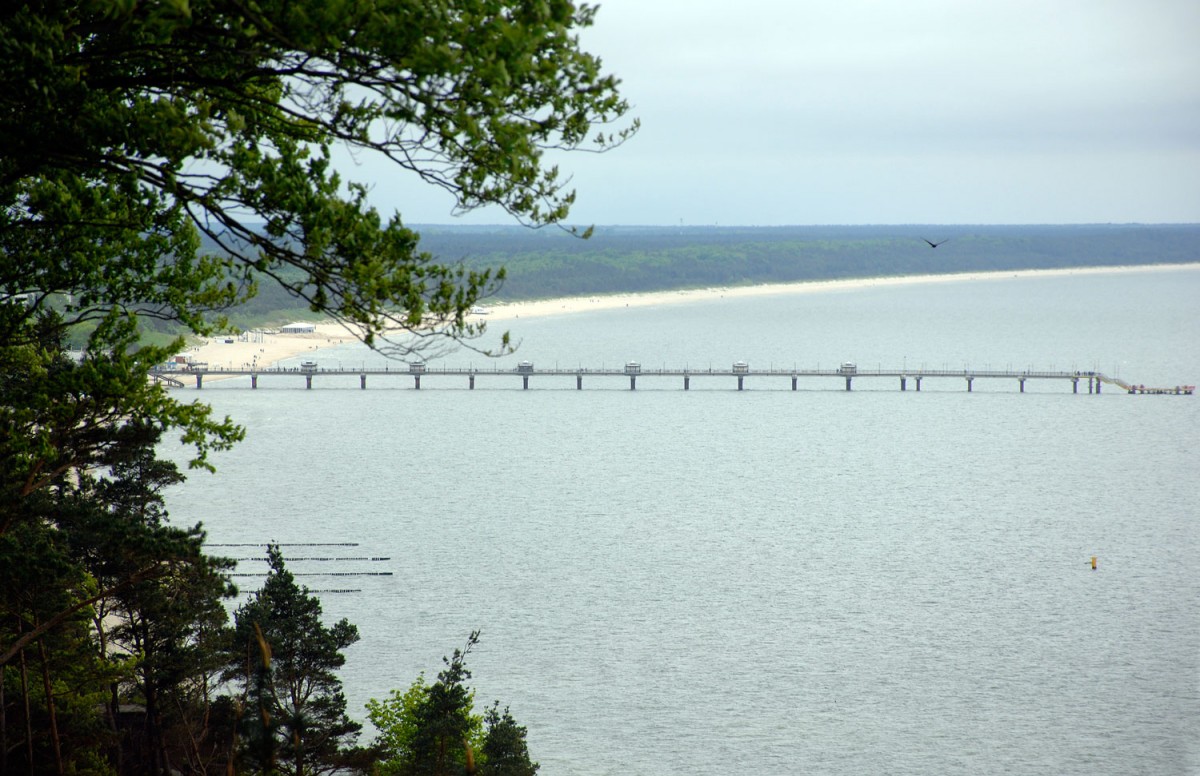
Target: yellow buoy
1093,563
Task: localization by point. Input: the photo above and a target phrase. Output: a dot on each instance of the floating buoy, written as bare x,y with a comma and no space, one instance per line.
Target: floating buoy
1093,563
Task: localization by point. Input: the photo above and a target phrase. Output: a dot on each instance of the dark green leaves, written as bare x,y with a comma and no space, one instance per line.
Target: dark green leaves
128,125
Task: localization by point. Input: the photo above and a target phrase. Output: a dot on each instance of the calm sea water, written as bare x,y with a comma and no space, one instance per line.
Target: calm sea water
770,581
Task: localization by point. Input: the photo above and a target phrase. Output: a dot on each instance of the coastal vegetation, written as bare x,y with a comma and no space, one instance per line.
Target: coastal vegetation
635,259
542,264
161,162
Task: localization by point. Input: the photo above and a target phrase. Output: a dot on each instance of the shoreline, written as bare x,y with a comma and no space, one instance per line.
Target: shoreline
571,305
265,347
268,348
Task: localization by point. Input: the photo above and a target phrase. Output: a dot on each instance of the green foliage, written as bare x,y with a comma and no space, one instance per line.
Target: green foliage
53,686
114,607
173,621
505,751
396,720
432,730
443,723
637,259
159,163
286,660
66,415
400,720
134,130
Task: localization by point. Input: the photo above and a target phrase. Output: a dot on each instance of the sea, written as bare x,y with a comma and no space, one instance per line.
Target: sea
715,581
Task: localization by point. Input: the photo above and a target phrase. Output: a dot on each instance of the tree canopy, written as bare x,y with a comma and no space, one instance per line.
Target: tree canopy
433,730
285,659
159,160
132,128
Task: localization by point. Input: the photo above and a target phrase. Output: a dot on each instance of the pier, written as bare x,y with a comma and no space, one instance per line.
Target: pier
739,375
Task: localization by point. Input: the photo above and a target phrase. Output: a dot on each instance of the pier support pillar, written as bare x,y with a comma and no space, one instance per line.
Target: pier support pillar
1097,386
253,381
794,378
632,383
1074,385
308,382
903,383
416,382
579,382
525,382
199,381
362,382
471,382
848,383
918,384
687,382
970,384
740,379
1021,380
1089,385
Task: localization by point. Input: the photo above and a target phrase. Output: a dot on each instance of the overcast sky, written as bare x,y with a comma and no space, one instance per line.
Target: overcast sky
774,112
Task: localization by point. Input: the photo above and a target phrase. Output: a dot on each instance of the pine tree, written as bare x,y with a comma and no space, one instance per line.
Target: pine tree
294,717
505,751
432,730
440,745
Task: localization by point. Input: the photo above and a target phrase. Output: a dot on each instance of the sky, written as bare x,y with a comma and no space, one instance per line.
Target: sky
794,112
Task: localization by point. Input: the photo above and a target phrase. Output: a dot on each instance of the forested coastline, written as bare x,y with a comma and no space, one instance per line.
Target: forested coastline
632,259
550,263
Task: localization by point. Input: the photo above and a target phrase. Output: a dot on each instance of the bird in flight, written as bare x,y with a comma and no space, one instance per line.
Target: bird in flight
934,244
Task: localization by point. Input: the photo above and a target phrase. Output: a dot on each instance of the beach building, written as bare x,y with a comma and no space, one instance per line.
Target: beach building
298,328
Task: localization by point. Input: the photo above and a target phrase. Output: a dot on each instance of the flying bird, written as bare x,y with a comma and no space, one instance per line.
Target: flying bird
935,244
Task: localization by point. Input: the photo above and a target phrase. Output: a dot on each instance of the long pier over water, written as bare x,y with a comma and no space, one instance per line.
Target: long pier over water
740,372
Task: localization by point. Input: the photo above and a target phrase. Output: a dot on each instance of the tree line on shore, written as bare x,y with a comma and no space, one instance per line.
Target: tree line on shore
547,264
624,260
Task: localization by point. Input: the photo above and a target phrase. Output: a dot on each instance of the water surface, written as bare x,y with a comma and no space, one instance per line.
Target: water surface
817,581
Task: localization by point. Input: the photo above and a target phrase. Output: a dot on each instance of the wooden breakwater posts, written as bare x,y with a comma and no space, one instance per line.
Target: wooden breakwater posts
346,565
845,374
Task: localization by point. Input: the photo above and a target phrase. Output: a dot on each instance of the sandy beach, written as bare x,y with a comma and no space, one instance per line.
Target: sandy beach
264,348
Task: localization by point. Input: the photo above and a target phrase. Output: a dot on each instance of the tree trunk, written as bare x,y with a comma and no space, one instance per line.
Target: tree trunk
155,746
28,719
58,760
113,707
113,712
3,724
